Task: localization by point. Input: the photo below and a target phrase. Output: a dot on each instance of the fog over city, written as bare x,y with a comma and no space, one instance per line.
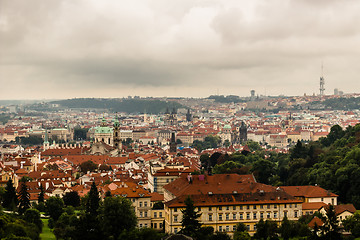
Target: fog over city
92,48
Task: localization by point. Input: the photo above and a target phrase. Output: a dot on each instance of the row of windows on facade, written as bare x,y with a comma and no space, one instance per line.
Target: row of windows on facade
241,216
141,204
155,225
225,228
247,207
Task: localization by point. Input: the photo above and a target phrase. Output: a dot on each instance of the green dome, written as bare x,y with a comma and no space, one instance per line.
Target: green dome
227,126
103,130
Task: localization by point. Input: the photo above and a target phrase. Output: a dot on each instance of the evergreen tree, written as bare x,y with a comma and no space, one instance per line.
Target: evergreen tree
189,222
330,228
93,201
41,194
10,198
24,198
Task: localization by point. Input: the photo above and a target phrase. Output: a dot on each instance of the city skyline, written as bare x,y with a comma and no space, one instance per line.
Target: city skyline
65,49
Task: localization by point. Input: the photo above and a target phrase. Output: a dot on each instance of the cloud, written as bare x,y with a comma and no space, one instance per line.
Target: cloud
59,47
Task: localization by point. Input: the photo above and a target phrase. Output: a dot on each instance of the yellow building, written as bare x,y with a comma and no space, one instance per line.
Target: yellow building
224,211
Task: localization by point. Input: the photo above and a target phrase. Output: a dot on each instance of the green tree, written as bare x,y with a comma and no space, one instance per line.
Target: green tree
33,216
24,198
190,223
72,199
330,229
41,194
54,207
241,232
88,166
93,201
10,198
352,224
265,229
117,214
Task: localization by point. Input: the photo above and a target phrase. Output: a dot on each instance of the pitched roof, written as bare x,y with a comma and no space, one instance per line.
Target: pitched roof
313,205
316,221
308,191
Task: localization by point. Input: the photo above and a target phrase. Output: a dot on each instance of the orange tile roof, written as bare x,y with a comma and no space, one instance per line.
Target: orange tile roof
313,206
308,191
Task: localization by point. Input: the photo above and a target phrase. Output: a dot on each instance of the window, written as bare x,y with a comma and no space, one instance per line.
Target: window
261,206
199,209
175,218
322,199
227,207
248,227
241,216
210,217
160,225
220,217
234,216
261,215
160,214
220,228
290,205
255,227
234,228
228,228
220,208
296,214
175,209
145,225
140,204
140,225
254,207
275,206
275,214
332,201
295,205
155,225
175,230
210,209
285,214
141,214
268,215
254,215
227,216
247,207
241,207
155,214
145,204
268,206
234,207
247,215
145,214
285,205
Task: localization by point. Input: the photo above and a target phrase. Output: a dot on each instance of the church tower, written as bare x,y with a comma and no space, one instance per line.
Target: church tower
188,116
116,133
243,133
173,143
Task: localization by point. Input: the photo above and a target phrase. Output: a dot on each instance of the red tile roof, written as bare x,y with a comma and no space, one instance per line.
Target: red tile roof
308,191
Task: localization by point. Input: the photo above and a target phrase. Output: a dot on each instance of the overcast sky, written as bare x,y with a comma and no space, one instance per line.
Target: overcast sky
112,48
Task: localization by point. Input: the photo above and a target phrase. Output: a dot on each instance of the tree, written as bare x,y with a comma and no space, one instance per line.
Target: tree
41,194
241,232
24,198
190,224
54,207
72,199
265,229
93,201
33,216
330,229
352,224
117,215
88,166
10,198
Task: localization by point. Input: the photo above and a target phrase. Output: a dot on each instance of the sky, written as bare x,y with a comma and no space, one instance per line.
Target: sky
56,49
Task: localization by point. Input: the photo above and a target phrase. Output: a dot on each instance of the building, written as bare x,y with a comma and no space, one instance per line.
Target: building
225,200
311,194
104,133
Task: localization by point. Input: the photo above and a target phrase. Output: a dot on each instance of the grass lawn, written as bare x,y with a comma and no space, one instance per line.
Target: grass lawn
46,232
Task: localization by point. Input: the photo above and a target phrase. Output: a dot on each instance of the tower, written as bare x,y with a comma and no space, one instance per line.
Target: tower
243,133
116,133
46,144
322,81
188,116
173,143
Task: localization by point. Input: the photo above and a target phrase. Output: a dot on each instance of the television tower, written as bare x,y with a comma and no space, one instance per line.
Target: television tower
322,81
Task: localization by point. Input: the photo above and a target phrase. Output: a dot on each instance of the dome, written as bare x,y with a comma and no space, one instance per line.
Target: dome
227,126
103,130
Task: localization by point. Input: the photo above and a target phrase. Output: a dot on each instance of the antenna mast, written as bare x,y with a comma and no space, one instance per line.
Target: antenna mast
322,81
